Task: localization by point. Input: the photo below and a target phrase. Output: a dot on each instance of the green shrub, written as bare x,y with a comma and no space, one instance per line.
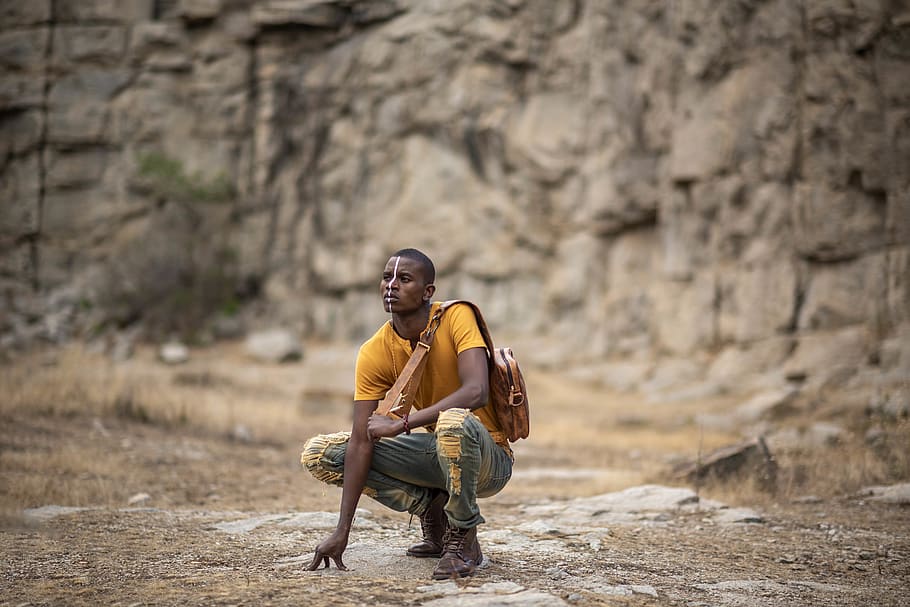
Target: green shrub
165,178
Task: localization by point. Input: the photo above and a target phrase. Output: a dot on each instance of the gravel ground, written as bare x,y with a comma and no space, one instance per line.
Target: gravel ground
222,522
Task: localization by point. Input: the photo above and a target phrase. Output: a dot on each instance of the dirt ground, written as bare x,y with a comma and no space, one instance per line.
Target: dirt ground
158,485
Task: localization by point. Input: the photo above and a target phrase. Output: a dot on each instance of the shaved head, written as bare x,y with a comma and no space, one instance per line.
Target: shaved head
426,265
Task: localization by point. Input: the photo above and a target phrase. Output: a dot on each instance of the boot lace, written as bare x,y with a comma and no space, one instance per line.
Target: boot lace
454,540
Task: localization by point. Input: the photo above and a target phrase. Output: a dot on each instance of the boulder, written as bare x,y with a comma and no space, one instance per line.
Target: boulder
749,459
274,345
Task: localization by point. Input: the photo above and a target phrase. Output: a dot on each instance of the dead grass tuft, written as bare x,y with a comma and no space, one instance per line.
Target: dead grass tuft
74,382
836,470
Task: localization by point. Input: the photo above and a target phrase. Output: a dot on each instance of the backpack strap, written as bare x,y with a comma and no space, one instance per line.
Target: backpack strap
396,399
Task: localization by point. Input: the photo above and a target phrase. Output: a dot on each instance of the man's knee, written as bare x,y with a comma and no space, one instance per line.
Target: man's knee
455,426
323,456
452,420
458,422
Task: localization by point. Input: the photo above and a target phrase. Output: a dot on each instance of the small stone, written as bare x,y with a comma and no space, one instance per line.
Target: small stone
738,515
242,434
174,353
138,499
98,426
807,499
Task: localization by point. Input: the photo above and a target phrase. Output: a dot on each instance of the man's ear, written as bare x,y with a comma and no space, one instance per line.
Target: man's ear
428,292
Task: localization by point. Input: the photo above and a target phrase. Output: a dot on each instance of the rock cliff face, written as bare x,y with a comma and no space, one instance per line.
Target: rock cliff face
660,193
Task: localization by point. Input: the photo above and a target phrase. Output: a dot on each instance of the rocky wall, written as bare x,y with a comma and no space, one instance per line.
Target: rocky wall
711,194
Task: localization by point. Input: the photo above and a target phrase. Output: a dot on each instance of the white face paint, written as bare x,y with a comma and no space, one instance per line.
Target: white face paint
388,295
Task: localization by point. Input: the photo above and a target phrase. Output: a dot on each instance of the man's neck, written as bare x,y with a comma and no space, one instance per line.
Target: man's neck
411,325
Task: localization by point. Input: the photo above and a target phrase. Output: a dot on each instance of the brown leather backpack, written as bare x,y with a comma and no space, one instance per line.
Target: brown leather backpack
508,393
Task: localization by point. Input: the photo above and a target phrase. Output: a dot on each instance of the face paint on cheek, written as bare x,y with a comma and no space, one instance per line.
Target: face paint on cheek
388,293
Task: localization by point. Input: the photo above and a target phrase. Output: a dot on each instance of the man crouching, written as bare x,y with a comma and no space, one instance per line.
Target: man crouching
437,475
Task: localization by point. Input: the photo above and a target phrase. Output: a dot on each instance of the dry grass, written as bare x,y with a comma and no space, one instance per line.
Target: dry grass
840,469
74,382
848,465
76,480
200,396
222,396
79,429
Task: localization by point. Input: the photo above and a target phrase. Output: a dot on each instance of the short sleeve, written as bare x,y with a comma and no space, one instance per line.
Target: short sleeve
371,382
465,332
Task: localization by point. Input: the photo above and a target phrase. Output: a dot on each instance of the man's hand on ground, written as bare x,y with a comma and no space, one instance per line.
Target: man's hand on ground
330,548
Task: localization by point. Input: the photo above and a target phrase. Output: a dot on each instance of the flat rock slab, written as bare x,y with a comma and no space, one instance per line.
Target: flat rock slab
491,594
892,494
662,545
758,593
308,520
46,513
642,503
371,559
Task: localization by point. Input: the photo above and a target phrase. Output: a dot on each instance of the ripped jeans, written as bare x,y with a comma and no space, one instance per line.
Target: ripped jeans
460,457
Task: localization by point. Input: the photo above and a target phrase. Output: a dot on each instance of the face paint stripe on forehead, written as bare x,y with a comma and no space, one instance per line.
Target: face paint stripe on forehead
389,285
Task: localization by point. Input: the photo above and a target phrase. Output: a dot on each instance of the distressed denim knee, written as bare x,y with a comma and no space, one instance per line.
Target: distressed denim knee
451,436
323,456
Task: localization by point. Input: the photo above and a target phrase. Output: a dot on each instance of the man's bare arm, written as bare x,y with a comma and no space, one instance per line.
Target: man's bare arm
357,460
472,394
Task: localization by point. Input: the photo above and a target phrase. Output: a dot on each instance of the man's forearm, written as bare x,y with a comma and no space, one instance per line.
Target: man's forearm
467,396
357,460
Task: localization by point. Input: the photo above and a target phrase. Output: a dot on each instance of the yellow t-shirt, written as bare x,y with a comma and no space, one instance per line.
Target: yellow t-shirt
383,357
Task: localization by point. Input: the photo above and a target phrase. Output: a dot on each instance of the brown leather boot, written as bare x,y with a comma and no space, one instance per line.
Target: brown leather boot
433,523
461,555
